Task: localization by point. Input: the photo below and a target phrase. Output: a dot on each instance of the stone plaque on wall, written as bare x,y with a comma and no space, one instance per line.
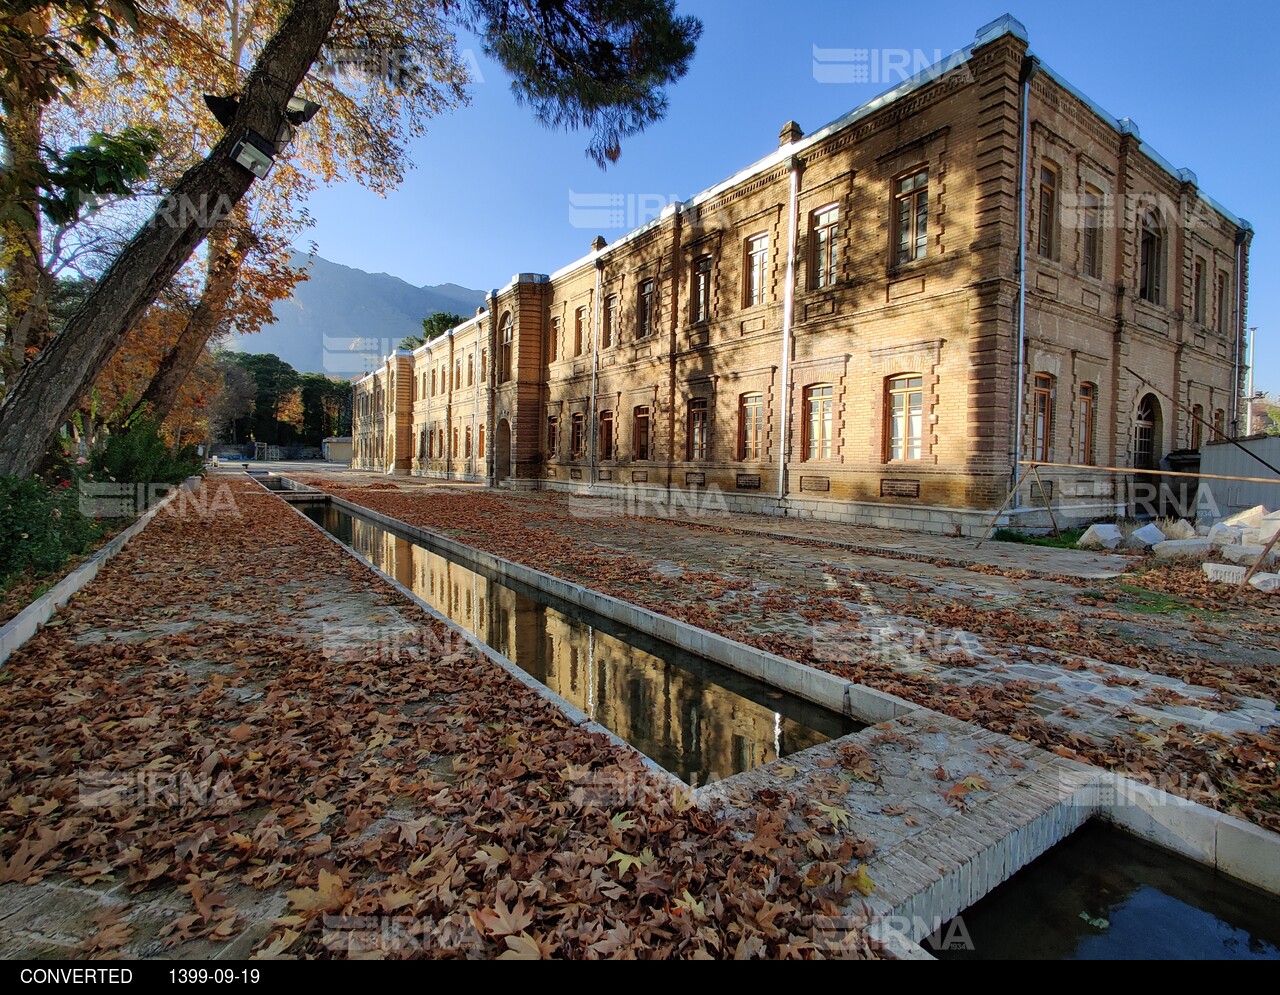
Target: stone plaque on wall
900,488
748,481
605,475
575,474
695,480
816,485
639,476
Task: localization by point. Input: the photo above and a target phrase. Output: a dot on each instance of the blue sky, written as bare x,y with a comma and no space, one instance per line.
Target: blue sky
491,192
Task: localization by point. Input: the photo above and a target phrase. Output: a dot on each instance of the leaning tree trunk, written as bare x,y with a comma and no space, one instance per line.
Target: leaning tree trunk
208,317
28,305
47,391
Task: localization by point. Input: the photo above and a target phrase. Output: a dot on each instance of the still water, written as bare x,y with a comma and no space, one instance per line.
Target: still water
697,719
1102,894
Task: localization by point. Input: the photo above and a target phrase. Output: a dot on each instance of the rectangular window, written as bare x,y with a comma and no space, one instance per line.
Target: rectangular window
471,369
1224,308
467,451
757,269
1048,235
818,423
553,436
484,365
1219,424
553,340
697,449
577,435
1197,426
1042,415
826,252
911,216
480,444
610,321
1198,293
1088,422
457,373
433,383
606,435
906,418
646,308
643,443
580,343
455,450
431,445
701,301
1092,232
751,428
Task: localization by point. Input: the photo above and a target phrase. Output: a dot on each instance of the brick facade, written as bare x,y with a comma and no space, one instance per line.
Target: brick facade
839,285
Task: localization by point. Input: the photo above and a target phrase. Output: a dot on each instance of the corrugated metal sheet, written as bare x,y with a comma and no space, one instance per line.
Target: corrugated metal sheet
1226,459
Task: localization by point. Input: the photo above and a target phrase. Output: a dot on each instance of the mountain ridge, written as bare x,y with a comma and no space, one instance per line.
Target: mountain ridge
343,320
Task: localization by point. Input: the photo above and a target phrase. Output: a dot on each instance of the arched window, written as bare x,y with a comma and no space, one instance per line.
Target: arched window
819,422
1219,424
1151,258
904,415
1088,422
1197,426
507,356
1147,432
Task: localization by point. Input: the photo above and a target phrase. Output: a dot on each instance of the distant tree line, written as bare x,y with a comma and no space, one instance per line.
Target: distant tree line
266,400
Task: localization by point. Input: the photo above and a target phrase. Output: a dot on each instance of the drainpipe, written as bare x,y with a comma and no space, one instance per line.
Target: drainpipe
1030,66
788,319
491,462
475,406
1248,390
595,373
1237,325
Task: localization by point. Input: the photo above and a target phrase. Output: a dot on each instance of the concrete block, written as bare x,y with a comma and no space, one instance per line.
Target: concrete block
1146,537
1181,529
1225,535
1268,529
1225,573
1174,549
1266,582
1101,537
1252,518
1250,853
1248,555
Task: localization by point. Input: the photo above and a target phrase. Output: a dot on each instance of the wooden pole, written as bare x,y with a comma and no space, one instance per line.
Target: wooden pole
1048,501
1008,497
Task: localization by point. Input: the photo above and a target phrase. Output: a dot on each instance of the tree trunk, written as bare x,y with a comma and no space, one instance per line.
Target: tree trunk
209,317
47,391
28,310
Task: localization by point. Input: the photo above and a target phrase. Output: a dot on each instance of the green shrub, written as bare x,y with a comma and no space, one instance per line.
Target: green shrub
41,527
140,455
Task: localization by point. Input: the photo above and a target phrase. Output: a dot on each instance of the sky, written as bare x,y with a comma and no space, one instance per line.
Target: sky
493,193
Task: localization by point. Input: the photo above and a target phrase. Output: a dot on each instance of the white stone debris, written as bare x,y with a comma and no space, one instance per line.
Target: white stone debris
1146,537
1174,549
1101,537
1251,518
1266,582
1225,535
1225,573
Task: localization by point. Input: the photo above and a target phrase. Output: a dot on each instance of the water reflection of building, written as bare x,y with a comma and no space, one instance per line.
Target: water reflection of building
687,724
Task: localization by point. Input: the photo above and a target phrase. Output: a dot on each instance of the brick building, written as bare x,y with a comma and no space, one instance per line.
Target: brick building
846,329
